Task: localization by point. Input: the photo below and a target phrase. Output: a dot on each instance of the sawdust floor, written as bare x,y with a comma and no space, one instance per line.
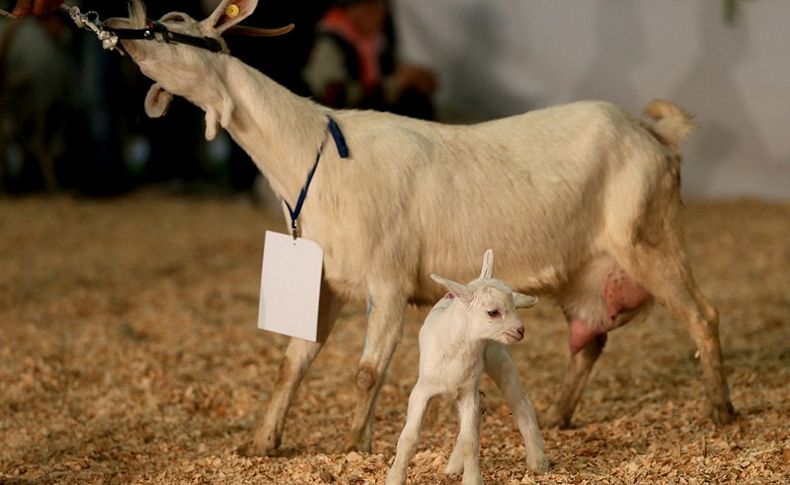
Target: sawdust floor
129,354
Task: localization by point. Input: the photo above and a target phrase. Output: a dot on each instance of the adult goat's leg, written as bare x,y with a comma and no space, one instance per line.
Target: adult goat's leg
559,415
664,271
298,357
385,327
499,365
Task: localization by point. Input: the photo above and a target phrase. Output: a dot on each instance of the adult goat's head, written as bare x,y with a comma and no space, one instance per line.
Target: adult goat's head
177,51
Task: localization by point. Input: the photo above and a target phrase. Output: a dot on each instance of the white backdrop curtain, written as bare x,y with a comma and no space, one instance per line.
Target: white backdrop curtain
500,57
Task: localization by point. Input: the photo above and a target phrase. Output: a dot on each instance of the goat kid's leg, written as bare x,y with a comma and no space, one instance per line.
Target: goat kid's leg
666,274
385,327
499,365
409,437
298,357
559,415
455,463
469,436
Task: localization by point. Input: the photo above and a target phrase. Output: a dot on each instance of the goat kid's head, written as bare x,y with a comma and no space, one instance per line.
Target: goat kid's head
491,304
182,69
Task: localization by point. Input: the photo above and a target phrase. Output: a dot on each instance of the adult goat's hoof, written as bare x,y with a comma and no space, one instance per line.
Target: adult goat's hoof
260,446
554,420
355,443
723,414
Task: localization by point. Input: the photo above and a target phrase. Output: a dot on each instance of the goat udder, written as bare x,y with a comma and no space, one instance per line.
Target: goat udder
622,295
623,298
580,333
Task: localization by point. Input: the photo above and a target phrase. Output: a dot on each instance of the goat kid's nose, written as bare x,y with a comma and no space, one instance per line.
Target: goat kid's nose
521,332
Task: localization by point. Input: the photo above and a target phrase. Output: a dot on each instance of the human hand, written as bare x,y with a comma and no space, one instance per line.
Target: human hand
418,78
36,7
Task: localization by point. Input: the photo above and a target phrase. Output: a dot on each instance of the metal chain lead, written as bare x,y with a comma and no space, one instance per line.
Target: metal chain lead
89,20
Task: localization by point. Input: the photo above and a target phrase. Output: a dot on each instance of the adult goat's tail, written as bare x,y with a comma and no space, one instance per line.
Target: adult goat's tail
670,124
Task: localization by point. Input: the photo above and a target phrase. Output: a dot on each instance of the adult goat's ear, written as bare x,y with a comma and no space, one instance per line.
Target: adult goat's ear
157,101
524,301
229,13
488,265
463,292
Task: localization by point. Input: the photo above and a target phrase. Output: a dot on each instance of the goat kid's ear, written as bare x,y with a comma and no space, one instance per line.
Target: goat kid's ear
524,301
229,13
463,292
157,101
488,265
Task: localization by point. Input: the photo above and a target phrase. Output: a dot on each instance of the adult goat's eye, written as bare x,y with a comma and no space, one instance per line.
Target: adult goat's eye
493,313
174,18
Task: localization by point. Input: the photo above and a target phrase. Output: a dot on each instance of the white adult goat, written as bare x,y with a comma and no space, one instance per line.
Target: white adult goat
471,320
582,201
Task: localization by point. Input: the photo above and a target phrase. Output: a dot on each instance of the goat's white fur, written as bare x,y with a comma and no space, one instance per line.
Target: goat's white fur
453,339
562,194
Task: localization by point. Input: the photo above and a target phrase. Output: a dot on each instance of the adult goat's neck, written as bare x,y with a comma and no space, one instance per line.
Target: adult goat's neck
281,131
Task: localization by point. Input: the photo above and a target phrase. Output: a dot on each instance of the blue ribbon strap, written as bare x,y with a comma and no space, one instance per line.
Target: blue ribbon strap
337,135
342,150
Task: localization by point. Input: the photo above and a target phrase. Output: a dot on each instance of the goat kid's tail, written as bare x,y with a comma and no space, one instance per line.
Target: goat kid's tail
669,123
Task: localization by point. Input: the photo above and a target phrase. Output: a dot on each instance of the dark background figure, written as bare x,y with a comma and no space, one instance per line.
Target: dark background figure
96,138
340,52
177,149
175,140
99,92
34,104
354,63
111,144
35,7
121,147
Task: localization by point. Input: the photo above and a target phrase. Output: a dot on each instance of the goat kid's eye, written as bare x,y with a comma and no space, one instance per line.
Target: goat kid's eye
494,313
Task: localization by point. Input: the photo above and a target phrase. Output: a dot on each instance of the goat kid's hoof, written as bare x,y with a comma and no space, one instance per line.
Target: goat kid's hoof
455,463
538,464
454,468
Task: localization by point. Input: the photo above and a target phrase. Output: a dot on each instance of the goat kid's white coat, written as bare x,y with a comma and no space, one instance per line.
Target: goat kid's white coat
470,321
580,201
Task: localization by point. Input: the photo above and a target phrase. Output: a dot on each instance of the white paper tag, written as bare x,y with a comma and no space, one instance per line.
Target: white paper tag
290,286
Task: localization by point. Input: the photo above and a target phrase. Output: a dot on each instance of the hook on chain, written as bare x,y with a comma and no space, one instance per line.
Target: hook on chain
91,21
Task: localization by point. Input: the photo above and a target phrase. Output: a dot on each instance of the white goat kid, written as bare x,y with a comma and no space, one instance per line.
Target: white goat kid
580,201
456,334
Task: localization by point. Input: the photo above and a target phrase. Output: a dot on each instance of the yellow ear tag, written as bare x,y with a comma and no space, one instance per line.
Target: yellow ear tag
232,10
